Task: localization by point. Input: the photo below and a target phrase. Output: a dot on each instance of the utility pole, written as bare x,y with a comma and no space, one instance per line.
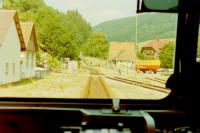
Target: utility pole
136,38
136,29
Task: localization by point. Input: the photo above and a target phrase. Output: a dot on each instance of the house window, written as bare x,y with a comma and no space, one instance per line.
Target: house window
7,69
27,60
13,68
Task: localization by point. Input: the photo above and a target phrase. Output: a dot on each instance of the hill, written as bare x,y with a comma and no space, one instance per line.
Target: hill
150,26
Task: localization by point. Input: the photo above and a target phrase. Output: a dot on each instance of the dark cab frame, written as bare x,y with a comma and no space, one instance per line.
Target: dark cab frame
177,112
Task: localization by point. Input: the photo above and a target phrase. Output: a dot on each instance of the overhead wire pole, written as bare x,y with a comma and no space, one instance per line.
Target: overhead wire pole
136,31
136,36
136,42
136,22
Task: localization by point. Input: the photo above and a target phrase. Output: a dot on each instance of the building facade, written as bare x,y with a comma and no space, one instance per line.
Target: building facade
152,49
11,44
122,55
18,48
28,57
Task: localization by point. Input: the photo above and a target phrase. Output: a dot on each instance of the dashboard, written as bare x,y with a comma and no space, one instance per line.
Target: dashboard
52,118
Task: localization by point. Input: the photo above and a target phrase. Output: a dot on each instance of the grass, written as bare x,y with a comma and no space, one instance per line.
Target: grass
19,83
69,85
57,85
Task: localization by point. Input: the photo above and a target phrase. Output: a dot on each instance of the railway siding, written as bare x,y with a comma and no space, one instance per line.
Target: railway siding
157,80
147,86
117,87
131,91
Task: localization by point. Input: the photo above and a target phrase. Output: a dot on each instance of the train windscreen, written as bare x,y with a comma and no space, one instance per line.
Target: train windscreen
96,49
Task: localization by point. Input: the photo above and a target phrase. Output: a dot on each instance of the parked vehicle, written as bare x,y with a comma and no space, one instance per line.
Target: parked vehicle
147,65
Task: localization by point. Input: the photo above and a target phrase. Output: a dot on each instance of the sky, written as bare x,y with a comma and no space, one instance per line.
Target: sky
96,11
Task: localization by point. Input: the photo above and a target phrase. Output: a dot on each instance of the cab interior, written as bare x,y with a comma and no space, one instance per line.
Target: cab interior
177,113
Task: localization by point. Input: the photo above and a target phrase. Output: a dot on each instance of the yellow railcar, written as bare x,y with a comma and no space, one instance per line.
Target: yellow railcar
147,65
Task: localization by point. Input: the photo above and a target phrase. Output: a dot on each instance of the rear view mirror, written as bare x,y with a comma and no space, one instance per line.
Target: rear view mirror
157,5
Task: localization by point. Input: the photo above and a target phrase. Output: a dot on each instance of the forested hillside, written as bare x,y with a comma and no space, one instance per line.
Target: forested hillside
61,35
58,34
149,26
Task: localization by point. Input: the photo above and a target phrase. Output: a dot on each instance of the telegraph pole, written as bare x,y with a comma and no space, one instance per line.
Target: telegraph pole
136,38
136,29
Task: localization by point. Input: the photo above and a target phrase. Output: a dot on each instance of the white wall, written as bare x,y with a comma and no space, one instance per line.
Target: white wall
124,63
29,67
22,65
72,66
10,53
30,61
125,66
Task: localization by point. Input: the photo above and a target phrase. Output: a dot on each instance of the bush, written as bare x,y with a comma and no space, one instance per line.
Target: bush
53,63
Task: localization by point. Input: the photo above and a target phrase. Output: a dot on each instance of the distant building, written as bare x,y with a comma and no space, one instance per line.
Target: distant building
11,45
152,49
28,57
42,72
73,66
122,53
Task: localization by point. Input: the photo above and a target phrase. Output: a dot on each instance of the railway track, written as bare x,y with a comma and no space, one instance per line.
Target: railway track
141,84
160,79
96,88
96,73
157,80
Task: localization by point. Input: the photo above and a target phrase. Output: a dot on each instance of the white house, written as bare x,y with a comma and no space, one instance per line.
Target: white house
28,57
11,45
122,54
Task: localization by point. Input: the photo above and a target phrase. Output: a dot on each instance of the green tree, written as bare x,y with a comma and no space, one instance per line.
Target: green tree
53,63
198,50
25,8
140,55
58,34
79,27
166,55
28,5
55,37
8,4
96,46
